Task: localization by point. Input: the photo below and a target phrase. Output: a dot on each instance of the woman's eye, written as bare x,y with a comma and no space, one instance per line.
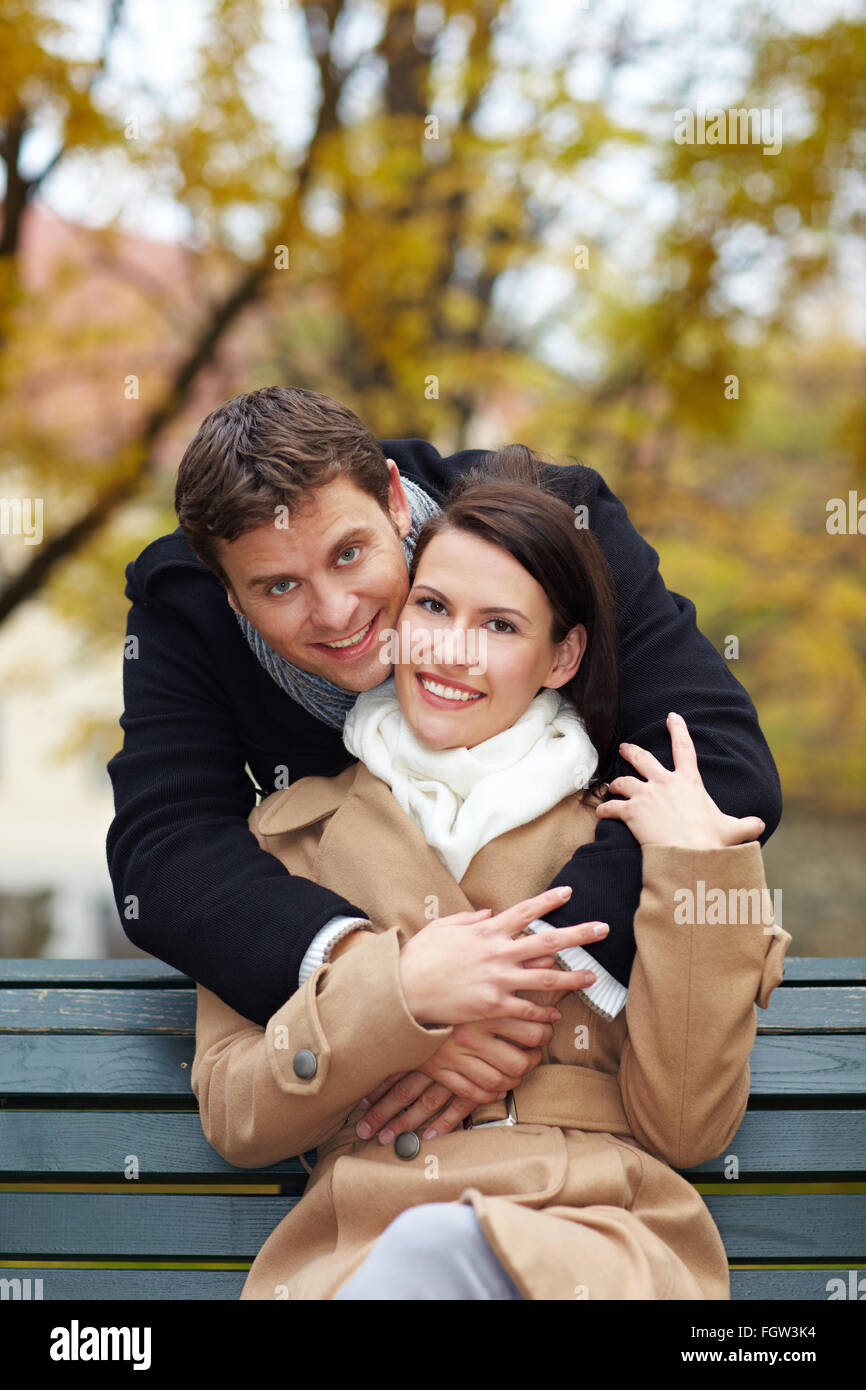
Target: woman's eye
352,550
506,626
275,587
422,603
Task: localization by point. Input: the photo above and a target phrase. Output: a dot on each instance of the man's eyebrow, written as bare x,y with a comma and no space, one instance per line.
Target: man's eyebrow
499,609
261,581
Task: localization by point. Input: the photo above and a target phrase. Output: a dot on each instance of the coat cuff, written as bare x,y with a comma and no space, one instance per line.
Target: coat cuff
319,949
353,1024
722,895
606,996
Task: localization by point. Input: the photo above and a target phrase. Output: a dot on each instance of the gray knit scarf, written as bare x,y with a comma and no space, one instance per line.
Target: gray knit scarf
319,697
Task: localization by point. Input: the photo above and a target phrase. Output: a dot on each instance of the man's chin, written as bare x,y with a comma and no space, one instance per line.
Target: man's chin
368,679
373,673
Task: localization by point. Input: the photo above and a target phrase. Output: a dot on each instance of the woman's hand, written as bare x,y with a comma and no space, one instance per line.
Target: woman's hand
468,966
674,808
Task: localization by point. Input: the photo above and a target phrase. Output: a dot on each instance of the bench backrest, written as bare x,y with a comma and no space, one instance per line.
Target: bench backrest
108,1188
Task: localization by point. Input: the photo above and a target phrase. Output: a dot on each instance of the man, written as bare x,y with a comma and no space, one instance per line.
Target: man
254,625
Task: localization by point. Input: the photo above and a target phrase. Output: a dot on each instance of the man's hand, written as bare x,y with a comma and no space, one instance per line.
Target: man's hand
477,1064
480,1062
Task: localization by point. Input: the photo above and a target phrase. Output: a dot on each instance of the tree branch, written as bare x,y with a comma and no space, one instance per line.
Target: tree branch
246,291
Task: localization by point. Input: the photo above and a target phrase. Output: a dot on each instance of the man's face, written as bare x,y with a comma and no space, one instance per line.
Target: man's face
337,573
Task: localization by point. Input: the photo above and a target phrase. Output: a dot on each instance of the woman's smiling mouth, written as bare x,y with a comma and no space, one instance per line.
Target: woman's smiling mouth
446,694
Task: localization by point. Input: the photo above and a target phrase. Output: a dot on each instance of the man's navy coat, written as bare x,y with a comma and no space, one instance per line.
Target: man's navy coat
191,883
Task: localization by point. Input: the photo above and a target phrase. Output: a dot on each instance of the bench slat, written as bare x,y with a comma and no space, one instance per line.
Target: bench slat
95,1143
795,1228
44,1065
50,972
66,1144
156,1285
97,1010
795,1141
136,1226
824,969
153,1066
16,970
791,1226
824,1008
787,1284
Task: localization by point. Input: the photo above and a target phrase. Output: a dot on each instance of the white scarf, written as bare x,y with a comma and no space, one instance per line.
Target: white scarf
464,797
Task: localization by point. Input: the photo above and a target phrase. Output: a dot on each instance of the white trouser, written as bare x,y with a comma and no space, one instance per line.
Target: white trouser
436,1252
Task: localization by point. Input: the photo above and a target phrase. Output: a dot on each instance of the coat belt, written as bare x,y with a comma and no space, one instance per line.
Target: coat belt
570,1097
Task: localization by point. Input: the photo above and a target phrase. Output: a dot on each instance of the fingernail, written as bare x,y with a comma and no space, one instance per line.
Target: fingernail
363,1130
429,1134
600,929
591,978
364,1104
386,1137
556,1015
564,892
673,716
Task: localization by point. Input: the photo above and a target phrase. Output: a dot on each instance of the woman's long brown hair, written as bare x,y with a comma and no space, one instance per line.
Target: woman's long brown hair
512,502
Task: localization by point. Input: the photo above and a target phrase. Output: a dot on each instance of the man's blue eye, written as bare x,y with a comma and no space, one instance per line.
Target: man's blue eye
350,549
274,587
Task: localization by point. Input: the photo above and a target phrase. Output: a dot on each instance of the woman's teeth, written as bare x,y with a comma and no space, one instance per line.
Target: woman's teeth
447,692
351,641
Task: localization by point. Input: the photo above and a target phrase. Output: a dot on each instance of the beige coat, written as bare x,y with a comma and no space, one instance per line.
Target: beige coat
578,1199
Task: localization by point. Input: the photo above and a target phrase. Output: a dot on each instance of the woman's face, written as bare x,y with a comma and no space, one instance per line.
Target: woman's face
476,627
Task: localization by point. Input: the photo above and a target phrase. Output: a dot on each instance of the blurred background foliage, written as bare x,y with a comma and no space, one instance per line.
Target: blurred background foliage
386,201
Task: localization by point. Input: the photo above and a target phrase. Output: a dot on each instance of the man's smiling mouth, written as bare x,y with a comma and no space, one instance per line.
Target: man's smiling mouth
349,641
346,646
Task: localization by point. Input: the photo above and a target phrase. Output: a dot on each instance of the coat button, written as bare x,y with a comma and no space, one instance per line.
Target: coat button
407,1145
305,1064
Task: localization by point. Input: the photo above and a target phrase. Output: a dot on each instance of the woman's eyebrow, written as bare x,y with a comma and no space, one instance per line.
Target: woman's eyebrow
498,609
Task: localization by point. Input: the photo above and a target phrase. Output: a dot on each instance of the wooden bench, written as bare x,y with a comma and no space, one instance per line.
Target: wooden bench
108,1188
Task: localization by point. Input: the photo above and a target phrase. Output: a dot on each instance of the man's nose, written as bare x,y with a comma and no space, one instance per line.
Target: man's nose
332,609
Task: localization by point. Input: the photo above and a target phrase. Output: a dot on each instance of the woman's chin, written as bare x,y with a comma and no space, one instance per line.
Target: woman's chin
439,728
445,730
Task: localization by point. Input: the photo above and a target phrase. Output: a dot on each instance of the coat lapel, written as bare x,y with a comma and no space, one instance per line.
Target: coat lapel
373,853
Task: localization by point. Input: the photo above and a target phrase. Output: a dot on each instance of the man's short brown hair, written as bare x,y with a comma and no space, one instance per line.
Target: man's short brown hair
266,449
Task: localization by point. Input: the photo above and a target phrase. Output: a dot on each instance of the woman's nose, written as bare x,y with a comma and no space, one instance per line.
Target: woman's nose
457,647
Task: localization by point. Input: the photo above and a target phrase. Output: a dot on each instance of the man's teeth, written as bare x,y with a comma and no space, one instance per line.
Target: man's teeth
351,641
447,692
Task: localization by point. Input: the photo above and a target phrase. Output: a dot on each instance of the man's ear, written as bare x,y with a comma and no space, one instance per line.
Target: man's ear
569,654
398,502
233,603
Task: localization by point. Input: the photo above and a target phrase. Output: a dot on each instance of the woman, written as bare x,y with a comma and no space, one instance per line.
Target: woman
476,782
